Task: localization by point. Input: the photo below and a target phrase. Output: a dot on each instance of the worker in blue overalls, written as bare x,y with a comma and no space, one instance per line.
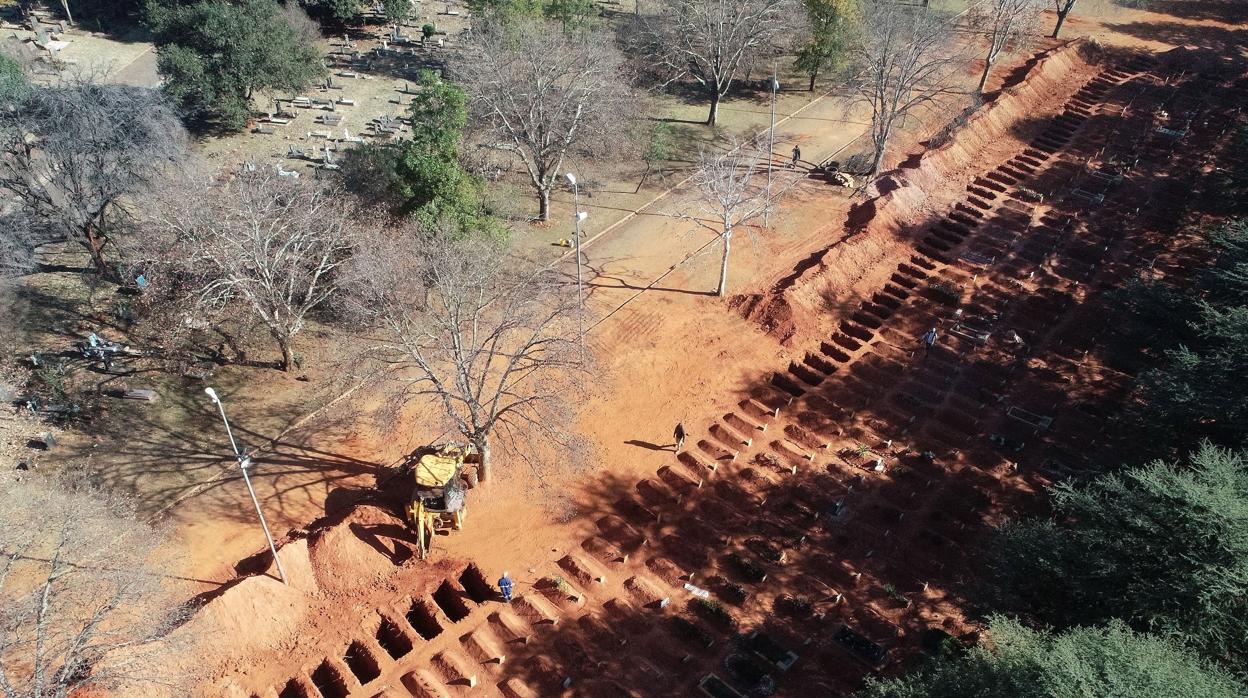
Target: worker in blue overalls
505,586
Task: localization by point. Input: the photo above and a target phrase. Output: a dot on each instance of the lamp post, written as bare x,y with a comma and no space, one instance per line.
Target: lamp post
580,286
771,144
580,216
243,463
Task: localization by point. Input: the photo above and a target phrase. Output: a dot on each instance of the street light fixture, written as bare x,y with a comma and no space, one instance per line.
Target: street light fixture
244,462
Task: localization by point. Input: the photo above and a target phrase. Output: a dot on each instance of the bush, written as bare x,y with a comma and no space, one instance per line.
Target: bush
714,612
735,593
1023,663
693,632
747,568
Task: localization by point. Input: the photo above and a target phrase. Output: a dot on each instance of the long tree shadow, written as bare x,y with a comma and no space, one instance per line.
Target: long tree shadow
1224,41
176,450
1228,11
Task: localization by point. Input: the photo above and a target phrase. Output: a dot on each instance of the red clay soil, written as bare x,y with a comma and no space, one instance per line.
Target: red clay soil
830,511
879,232
345,573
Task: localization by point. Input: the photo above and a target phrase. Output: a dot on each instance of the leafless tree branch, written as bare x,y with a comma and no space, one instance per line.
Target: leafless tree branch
544,94
81,602
74,156
272,244
711,41
733,193
1003,23
907,61
495,349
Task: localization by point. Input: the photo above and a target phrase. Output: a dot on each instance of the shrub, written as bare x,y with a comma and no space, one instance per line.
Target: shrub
714,612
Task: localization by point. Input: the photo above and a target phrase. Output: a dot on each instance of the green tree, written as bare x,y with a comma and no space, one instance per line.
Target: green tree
832,22
335,10
1162,547
215,56
1110,662
439,112
428,176
1197,392
422,175
397,10
660,148
505,10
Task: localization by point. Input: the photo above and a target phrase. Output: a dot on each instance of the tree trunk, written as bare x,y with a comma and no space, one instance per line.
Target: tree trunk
877,159
288,352
812,83
983,79
482,444
1061,19
95,247
68,16
543,204
710,119
723,263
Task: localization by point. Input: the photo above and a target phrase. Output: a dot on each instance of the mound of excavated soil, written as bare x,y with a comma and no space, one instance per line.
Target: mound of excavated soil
259,628
879,231
359,552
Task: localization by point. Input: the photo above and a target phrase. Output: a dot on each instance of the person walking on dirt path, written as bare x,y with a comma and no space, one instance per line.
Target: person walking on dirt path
679,435
929,341
505,586
797,155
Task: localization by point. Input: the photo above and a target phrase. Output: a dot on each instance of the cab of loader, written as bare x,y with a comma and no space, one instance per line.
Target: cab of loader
438,478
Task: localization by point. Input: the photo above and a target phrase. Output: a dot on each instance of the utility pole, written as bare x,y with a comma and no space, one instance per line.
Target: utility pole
771,144
244,462
576,246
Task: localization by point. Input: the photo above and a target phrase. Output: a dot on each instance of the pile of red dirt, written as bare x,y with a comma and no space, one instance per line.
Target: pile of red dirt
361,558
878,232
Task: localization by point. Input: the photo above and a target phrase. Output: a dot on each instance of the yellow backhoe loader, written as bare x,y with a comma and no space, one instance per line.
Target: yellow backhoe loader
439,490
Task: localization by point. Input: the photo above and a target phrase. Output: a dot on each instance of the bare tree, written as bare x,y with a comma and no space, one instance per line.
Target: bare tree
76,155
82,605
711,41
545,93
732,194
907,62
495,349
1003,22
18,242
1063,8
270,243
